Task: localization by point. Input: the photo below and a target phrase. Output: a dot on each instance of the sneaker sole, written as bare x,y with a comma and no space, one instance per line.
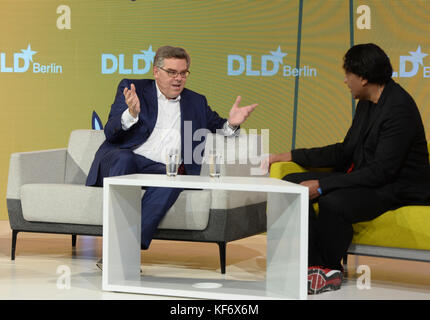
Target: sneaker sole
319,281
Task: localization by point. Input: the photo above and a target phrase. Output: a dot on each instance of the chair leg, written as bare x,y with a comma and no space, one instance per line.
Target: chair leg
14,237
345,264
222,253
74,236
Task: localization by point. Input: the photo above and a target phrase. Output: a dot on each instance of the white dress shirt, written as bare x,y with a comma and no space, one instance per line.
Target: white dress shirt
166,135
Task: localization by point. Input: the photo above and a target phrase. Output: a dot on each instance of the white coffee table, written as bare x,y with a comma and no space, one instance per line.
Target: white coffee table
287,239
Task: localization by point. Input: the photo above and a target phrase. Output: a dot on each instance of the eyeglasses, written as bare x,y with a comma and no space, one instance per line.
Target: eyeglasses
174,73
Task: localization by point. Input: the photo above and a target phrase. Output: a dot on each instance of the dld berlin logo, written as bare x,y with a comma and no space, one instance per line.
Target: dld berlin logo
112,63
270,65
21,63
410,65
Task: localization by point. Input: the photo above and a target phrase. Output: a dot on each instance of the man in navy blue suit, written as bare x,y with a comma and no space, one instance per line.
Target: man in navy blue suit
147,119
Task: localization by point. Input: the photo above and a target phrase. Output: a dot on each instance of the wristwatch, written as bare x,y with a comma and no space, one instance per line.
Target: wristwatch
231,126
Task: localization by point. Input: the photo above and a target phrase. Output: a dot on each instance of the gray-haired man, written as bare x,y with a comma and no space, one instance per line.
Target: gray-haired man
146,120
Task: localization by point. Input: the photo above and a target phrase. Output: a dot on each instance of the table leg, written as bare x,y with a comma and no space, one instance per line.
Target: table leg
121,234
287,244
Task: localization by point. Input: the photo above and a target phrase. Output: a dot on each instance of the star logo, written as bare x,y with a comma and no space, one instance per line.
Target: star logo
418,55
278,55
149,54
28,53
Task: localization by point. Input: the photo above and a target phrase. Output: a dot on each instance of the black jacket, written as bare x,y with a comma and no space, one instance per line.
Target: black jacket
387,144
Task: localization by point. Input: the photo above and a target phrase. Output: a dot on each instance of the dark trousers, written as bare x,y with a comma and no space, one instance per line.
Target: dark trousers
330,231
155,202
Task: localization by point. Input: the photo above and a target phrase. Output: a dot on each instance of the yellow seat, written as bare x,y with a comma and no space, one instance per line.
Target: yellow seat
407,227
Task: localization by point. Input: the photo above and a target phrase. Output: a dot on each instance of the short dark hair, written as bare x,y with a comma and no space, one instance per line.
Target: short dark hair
369,62
168,52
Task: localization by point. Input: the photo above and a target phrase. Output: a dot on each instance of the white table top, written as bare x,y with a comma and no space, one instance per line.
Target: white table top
263,184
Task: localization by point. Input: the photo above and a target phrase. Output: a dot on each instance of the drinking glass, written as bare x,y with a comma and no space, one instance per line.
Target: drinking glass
172,163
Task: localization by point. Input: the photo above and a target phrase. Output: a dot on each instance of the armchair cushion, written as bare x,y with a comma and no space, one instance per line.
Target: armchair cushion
71,203
405,227
222,199
190,211
62,203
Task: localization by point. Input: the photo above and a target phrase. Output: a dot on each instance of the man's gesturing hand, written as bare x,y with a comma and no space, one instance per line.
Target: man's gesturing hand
132,100
238,114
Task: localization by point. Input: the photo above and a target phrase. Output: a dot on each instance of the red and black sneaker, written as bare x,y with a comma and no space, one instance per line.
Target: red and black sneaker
322,279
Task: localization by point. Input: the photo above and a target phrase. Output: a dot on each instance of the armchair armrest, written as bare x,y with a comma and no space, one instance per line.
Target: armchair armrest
46,166
281,169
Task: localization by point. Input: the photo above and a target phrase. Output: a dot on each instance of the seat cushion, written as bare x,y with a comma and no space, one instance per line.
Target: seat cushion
78,204
190,211
62,203
226,199
406,227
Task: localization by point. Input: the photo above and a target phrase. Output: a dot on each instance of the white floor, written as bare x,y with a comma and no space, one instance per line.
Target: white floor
48,268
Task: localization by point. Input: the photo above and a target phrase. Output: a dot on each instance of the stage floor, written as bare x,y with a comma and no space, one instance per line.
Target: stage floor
47,267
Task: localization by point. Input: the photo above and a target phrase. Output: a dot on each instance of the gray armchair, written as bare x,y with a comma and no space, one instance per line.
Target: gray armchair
46,193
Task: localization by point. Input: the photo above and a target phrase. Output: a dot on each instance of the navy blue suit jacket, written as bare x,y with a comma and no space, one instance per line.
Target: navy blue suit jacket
193,107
